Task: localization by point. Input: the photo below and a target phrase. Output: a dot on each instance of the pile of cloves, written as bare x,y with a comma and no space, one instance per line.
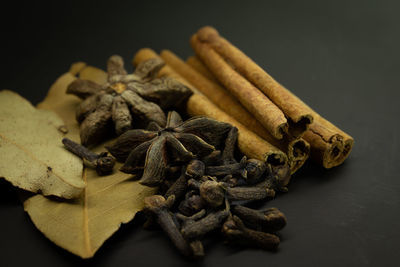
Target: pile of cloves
202,188
210,194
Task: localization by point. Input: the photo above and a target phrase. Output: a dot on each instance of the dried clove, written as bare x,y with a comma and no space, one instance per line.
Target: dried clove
197,249
198,228
229,149
159,207
282,174
195,169
226,169
194,184
213,193
270,220
192,204
178,188
236,233
208,177
103,163
277,178
249,193
195,245
255,169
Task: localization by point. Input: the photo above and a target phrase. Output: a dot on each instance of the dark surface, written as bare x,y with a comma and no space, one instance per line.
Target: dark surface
342,58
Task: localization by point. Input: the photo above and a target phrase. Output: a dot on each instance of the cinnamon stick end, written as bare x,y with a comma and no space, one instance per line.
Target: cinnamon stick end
299,127
281,130
207,34
144,52
298,152
337,153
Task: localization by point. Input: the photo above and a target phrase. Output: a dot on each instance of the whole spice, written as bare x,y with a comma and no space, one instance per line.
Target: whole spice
213,193
195,169
178,188
124,97
159,207
199,228
103,163
249,193
237,233
270,220
177,142
197,74
299,114
196,64
330,146
249,143
192,204
217,178
260,106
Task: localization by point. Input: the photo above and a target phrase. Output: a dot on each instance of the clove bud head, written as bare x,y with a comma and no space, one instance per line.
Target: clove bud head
212,193
104,164
255,169
157,203
191,205
195,169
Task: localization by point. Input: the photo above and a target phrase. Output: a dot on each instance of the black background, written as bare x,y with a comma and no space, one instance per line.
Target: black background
340,57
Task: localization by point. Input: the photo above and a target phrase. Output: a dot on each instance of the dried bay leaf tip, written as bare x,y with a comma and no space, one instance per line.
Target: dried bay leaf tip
31,156
125,98
153,150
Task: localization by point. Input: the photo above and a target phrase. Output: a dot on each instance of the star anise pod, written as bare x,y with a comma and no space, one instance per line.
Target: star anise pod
123,96
155,149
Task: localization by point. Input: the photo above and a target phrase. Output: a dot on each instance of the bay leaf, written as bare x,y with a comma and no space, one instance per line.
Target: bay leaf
81,226
32,156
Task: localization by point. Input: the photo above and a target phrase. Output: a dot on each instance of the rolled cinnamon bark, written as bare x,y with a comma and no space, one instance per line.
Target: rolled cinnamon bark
297,150
260,106
249,143
299,113
330,146
196,64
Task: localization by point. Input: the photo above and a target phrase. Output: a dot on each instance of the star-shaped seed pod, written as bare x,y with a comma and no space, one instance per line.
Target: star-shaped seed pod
155,149
125,99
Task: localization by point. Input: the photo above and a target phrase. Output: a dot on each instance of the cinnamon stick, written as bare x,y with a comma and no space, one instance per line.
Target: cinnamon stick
262,108
297,150
330,146
300,114
249,143
196,64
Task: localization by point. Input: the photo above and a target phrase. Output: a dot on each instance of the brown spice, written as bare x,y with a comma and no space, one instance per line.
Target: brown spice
297,149
299,113
249,143
122,97
196,64
330,146
177,142
266,112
